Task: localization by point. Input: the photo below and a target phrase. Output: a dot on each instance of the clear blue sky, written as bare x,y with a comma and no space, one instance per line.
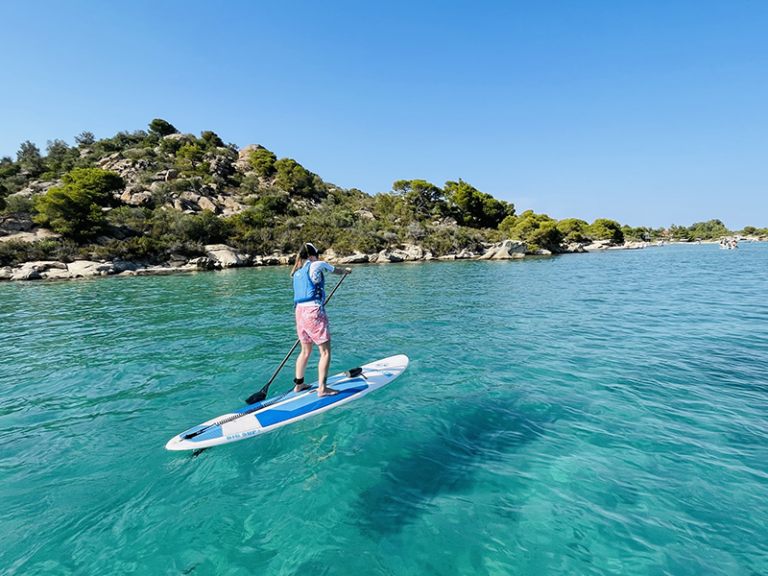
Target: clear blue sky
649,113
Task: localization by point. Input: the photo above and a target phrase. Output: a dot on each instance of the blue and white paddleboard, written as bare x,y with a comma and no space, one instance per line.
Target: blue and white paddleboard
290,407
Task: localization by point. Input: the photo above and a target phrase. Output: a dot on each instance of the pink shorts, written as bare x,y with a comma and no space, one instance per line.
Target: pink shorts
312,324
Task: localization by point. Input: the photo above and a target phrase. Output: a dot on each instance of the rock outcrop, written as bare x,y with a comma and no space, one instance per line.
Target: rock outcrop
224,256
506,250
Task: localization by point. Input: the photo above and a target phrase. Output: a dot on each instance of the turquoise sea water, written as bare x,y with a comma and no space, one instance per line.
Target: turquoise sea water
584,414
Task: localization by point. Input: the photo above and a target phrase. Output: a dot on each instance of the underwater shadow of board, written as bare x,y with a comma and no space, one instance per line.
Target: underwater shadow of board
446,463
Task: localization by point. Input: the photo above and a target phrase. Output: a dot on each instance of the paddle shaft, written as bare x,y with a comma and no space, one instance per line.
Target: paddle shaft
266,386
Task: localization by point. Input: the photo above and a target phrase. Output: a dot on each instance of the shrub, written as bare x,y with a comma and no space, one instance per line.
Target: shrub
29,159
294,178
419,196
119,142
640,233
131,217
15,252
708,230
263,163
85,139
211,140
477,209
573,230
141,249
171,146
536,230
161,128
206,228
250,184
74,209
60,158
604,229
18,204
189,159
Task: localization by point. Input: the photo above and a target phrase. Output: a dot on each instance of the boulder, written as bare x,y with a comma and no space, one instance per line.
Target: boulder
6,272
13,223
365,214
356,258
230,203
35,235
243,166
121,266
202,263
573,248
273,260
411,252
245,153
35,188
506,250
43,265
142,198
190,196
178,136
222,167
184,205
225,256
19,237
388,255
109,160
542,252
206,204
166,175
56,274
598,245
87,268
26,274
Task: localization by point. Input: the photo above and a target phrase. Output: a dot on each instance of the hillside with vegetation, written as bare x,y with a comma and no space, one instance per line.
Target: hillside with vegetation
158,195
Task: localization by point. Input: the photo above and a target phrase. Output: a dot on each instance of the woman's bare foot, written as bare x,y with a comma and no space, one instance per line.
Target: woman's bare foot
301,387
324,391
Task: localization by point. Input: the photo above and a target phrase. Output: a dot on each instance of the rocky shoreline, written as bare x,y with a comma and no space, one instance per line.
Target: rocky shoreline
220,256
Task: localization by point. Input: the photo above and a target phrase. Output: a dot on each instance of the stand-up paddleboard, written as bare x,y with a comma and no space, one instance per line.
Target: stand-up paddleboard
289,407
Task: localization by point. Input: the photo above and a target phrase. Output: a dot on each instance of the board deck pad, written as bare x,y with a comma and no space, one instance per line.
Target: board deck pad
288,407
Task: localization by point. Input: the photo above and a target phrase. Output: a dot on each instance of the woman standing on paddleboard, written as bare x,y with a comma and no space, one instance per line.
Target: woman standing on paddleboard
311,319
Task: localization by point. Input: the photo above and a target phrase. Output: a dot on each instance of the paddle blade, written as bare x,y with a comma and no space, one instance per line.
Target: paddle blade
257,397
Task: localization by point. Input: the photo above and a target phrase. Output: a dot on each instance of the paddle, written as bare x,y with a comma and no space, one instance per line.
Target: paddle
262,394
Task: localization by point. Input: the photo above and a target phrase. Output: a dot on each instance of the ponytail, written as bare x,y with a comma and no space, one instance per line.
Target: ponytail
306,251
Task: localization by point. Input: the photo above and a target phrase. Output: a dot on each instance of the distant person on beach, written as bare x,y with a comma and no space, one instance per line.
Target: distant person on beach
311,319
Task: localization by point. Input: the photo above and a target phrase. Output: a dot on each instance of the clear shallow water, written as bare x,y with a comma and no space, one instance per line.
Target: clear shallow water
586,414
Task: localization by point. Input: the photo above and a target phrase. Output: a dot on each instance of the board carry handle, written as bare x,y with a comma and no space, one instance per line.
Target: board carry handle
262,394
